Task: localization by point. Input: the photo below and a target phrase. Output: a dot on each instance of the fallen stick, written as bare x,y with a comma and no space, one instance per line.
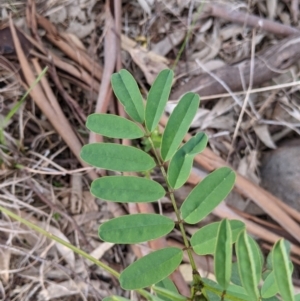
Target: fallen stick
46,101
236,16
270,63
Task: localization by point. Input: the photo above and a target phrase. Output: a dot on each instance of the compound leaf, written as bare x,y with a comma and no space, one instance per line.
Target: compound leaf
223,254
207,195
151,268
282,271
128,93
246,264
127,189
157,98
135,228
178,124
116,157
181,164
113,126
204,240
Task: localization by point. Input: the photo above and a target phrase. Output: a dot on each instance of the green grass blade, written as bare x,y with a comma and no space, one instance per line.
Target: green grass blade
16,107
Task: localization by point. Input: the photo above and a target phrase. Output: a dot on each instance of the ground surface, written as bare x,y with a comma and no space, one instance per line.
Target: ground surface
242,58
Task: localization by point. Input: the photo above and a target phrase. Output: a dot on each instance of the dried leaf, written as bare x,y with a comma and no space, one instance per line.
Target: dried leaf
169,42
146,5
271,7
262,132
100,251
62,289
149,65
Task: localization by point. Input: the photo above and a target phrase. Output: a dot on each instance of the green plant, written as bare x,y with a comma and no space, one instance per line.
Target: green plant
239,281
17,106
247,279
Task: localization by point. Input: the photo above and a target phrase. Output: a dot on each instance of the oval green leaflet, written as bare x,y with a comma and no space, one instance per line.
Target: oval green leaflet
282,271
203,240
127,189
113,126
116,157
178,124
128,93
135,228
151,268
207,195
223,254
181,164
247,266
157,98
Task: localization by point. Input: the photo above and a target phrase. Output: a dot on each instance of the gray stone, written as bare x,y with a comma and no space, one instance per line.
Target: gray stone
280,173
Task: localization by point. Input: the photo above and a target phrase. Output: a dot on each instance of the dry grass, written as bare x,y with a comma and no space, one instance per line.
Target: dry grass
41,177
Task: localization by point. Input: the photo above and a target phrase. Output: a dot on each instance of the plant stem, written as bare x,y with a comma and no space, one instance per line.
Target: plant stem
61,241
68,245
196,276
